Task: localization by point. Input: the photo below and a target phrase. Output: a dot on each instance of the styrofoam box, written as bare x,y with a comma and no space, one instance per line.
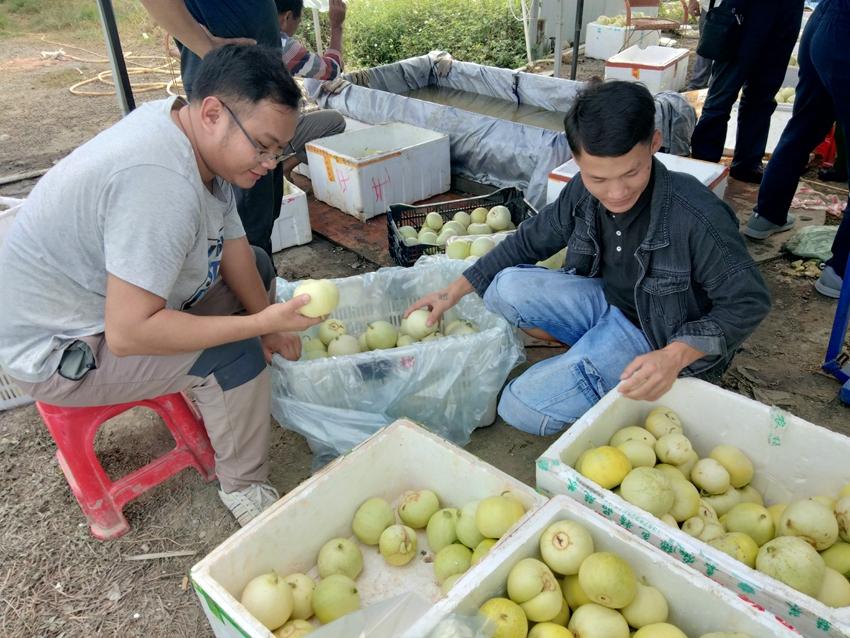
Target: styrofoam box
697,605
659,68
287,536
793,459
363,172
714,176
292,227
602,40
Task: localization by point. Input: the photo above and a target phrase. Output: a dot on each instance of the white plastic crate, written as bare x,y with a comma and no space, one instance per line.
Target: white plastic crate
714,176
603,41
287,537
697,604
793,459
362,172
292,227
659,68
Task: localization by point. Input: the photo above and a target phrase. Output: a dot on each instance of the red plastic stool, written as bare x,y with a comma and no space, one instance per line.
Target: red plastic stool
101,499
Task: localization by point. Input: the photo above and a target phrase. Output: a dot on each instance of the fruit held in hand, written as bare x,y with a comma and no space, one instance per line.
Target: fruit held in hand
416,324
324,297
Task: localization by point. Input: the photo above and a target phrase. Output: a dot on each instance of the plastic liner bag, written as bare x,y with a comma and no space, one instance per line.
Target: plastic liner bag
812,242
386,619
460,626
449,385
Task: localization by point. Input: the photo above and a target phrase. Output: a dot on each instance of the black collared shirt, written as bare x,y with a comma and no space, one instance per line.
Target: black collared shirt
620,234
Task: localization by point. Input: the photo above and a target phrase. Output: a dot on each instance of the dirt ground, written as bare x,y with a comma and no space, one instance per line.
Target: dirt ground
56,580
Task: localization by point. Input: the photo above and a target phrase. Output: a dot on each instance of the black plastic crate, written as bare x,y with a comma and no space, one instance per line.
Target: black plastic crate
406,215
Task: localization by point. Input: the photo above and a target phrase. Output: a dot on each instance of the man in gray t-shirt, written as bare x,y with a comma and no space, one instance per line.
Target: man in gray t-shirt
123,273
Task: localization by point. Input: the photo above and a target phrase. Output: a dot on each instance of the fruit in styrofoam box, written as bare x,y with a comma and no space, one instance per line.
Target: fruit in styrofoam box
811,521
794,562
404,340
495,515
605,465
669,520
407,231
749,494
673,448
835,591
573,593
722,503
340,556
686,467
458,249
434,221
549,630
671,472
711,477
372,517
268,598
753,520
661,421
416,507
329,329
381,335
595,621
498,217
478,216
452,559
828,501
738,464
685,500
659,630
563,616
466,530
632,433
428,237
533,586
737,545
711,531
442,528
397,544
334,597
343,345
564,545
312,344
648,606
607,580
506,617
838,557
479,229
324,297
842,517
638,453
463,218
648,489
302,595
416,324
481,246
481,550
775,511
844,491
785,95
295,628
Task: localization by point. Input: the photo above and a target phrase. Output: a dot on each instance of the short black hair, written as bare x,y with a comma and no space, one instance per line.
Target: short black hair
296,6
609,119
246,73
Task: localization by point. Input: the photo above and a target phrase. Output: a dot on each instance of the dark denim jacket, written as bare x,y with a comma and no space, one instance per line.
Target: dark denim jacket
697,284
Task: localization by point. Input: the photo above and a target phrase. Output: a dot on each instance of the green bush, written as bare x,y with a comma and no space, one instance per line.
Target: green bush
385,31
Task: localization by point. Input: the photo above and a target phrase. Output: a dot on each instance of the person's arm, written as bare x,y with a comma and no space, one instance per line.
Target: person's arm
336,17
174,17
650,375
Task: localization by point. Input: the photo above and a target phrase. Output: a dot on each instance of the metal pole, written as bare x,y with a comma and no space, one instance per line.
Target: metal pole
559,39
577,38
123,90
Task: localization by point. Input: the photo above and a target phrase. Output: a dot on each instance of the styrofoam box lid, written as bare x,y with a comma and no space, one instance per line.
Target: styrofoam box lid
651,57
697,605
288,535
375,141
708,173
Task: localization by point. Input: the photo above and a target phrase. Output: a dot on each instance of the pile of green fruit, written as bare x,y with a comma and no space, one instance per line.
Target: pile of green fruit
436,231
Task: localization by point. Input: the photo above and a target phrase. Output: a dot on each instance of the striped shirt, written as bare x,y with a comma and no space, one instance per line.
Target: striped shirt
304,63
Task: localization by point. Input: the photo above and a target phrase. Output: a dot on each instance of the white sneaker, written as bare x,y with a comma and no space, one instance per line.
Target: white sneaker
247,503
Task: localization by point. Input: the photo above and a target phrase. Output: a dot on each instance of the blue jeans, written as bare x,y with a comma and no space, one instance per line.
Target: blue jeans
554,393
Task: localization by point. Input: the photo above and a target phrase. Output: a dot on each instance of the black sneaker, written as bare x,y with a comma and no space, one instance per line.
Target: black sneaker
749,175
832,174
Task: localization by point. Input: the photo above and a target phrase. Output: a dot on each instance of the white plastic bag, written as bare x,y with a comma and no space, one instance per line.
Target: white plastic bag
449,385
7,217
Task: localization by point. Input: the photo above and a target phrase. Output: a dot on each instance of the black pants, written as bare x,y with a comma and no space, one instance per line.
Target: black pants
768,34
823,97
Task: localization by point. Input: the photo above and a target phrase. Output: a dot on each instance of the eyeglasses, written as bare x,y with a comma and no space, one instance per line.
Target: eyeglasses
264,155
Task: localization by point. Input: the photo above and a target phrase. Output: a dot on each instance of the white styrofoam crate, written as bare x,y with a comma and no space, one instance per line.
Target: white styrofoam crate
791,78
603,41
697,605
659,68
793,459
292,227
287,536
714,176
362,172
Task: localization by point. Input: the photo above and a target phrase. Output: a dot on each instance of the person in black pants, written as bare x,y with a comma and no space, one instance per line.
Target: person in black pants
768,33
823,97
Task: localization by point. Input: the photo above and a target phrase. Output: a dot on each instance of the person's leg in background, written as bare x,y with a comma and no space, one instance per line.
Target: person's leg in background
312,126
701,73
259,207
554,393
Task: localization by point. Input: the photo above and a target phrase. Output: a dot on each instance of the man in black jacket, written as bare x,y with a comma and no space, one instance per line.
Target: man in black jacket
657,280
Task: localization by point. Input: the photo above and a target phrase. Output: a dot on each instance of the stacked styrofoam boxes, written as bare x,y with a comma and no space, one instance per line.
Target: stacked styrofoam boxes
659,68
603,41
697,605
287,537
292,227
793,460
714,176
363,172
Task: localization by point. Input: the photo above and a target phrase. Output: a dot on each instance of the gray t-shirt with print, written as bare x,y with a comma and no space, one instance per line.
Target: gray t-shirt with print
129,202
